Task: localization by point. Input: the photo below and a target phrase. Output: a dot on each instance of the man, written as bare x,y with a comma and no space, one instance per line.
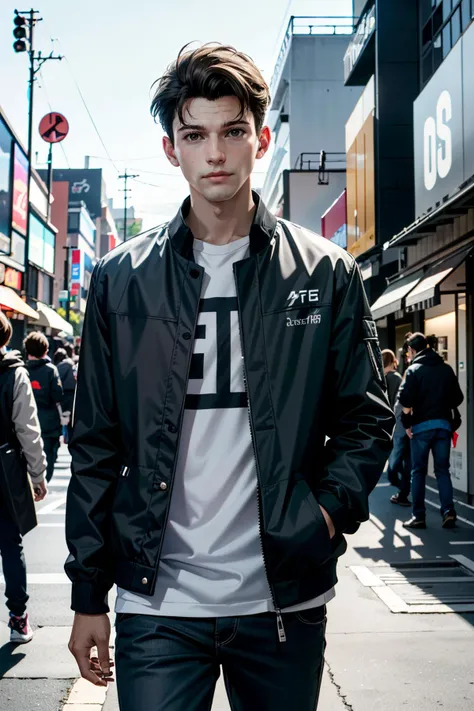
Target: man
48,392
20,431
218,352
428,397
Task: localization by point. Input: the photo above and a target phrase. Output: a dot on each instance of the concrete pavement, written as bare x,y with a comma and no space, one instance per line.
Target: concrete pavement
375,659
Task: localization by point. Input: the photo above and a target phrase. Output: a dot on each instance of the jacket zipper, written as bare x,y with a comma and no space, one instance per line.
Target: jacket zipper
279,618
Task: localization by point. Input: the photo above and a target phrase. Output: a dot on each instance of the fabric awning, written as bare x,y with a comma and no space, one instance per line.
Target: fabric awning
392,298
51,319
10,301
427,291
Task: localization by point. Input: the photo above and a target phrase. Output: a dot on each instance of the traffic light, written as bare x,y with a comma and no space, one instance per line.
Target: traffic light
20,33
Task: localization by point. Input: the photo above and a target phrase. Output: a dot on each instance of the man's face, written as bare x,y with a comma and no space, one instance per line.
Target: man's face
214,149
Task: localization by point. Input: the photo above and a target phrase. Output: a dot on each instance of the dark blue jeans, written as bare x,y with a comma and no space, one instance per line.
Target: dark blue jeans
13,564
439,443
399,464
173,663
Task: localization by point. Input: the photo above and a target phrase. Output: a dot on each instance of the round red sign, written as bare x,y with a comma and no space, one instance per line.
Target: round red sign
53,127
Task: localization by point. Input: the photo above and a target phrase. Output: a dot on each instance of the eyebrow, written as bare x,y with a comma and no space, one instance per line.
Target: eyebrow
227,124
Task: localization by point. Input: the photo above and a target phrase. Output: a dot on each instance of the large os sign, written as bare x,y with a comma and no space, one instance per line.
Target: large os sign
438,142
438,129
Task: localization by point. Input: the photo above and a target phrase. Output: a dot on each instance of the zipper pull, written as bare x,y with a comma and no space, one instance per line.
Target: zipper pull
280,627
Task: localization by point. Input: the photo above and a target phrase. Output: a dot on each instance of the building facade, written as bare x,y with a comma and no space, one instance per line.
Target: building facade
308,111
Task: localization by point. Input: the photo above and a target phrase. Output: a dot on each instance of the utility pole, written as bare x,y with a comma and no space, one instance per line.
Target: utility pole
25,22
125,190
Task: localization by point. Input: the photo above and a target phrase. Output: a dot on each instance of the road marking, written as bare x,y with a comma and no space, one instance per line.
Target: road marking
50,525
460,518
464,561
52,506
461,543
435,491
44,579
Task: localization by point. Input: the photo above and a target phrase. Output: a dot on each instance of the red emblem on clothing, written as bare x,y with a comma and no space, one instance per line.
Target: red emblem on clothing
35,385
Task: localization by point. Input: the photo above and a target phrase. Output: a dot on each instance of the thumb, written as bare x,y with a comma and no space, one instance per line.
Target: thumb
104,656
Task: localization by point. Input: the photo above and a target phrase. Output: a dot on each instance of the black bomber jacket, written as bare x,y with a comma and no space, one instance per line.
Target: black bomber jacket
319,417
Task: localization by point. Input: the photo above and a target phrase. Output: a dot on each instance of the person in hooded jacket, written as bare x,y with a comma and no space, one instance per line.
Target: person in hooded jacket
399,465
20,428
48,392
67,373
428,397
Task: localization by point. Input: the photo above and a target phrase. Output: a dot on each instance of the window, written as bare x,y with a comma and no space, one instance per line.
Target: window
446,40
48,289
32,281
466,13
437,51
447,7
427,66
456,26
73,222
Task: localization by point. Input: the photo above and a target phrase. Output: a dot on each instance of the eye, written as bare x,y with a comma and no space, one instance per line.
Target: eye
192,137
236,132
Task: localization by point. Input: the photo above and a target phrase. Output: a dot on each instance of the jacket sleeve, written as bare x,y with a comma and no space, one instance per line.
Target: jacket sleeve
359,420
27,426
56,387
94,447
408,390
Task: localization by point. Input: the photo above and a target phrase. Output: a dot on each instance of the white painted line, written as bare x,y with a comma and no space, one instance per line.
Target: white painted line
366,577
50,525
52,506
393,601
460,518
377,522
465,562
85,695
435,491
383,484
44,579
461,543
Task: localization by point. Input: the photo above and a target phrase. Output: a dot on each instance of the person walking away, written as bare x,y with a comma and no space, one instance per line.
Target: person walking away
428,396
20,429
48,392
221,446
67,374
399,467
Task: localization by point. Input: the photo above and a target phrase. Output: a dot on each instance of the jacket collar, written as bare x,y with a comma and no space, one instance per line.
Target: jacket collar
261,232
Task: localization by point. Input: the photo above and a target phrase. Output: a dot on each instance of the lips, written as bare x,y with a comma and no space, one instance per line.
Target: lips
220,174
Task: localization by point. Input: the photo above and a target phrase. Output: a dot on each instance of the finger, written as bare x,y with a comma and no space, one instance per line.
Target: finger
104,655
83,662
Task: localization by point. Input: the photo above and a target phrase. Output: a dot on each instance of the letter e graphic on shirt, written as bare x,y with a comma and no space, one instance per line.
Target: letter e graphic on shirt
216,375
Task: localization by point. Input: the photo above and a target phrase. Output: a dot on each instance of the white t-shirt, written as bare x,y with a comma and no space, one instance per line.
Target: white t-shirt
211,562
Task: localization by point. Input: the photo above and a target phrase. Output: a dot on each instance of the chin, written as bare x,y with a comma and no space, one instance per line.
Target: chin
219,193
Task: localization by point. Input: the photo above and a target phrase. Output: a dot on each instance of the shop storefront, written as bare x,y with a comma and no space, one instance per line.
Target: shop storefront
434,293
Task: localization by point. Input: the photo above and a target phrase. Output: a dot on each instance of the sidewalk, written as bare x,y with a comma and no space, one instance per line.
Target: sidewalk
377,660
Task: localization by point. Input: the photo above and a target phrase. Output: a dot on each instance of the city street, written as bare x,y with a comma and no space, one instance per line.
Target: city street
376,658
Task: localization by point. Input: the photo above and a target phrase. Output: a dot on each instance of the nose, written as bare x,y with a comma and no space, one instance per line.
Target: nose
215,152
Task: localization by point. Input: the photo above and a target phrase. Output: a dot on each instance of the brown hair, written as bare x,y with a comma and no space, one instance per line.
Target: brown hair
418,342
36,344
211,72
389,358
5,330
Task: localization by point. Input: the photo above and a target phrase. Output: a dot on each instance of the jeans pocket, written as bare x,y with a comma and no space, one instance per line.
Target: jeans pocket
313,616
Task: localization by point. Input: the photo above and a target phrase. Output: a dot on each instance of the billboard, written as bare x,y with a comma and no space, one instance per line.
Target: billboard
5,187
85,184
42,245
444,128
20,191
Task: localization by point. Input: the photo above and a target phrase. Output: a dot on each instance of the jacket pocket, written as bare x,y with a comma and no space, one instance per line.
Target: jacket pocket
371,340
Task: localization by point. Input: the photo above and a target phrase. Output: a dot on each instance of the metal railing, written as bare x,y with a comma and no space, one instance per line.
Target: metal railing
321,164
301,25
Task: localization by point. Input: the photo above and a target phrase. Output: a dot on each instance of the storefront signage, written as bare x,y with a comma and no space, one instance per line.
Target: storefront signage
13,279
42,245
444,128
76,266
5,190
18,249
20,191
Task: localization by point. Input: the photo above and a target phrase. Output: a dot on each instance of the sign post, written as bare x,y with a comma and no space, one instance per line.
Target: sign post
53,128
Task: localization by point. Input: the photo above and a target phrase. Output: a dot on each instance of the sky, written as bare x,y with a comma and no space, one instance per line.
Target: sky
113,52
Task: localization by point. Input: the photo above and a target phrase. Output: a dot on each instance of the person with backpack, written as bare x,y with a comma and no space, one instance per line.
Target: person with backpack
48,392
19,430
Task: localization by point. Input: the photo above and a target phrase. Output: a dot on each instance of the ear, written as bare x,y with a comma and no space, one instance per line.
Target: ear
170,152
264,141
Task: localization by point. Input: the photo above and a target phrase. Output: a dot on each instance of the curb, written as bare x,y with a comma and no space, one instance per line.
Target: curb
84,696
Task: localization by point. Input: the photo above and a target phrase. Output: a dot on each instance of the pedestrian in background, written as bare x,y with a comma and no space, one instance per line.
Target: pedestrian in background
399,467
20,430
429,395
392,376
67,373
48,392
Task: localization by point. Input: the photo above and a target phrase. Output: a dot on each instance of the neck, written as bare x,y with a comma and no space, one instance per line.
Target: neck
221,222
